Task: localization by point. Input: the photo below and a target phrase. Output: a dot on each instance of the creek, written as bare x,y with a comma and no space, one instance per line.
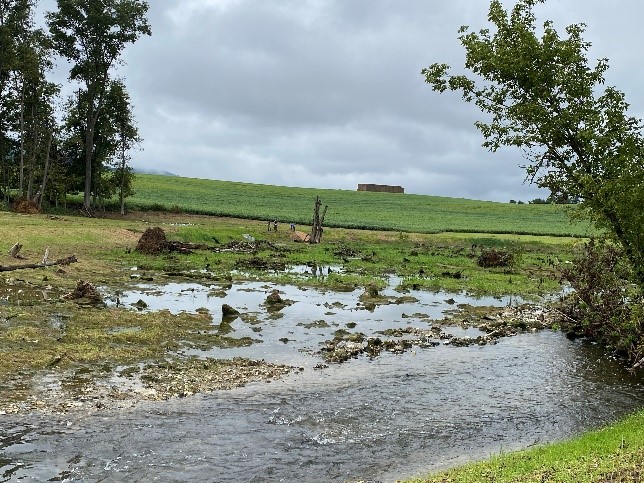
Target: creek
381,419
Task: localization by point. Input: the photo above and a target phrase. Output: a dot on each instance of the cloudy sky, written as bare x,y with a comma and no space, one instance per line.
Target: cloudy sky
328,93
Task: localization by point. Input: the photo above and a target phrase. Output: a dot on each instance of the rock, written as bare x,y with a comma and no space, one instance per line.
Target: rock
140,304
274,302
228,311
371,291
274,298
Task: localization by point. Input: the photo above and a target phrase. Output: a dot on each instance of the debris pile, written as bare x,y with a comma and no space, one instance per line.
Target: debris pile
25,206
152,242
300,237
258,263
492,258
84,290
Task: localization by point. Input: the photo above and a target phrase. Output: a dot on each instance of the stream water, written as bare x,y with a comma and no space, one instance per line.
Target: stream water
384,419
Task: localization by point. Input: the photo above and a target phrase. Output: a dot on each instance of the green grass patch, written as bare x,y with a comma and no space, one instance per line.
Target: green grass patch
351,209
613,453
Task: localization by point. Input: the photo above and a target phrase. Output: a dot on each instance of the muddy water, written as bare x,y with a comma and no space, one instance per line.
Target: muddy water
383,419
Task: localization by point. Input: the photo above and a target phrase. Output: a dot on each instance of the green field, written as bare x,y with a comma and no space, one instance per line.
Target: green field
351,209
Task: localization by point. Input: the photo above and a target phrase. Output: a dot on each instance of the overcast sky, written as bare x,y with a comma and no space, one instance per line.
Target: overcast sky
328,93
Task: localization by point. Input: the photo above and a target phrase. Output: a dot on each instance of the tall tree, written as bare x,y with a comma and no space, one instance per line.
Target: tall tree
92,34
545,98
127,137
16,26
116,135
37,100
27,102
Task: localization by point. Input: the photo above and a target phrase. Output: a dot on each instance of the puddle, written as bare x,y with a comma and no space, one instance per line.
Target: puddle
314,270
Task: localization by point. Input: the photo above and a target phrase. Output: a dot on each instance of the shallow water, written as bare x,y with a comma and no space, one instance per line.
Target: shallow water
384,419
295,333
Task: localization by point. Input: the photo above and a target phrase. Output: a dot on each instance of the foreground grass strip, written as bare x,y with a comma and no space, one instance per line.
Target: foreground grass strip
614,453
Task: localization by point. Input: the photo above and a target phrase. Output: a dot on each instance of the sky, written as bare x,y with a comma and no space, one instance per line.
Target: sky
328,93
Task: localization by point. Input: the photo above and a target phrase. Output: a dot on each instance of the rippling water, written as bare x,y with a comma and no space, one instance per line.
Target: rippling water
393,417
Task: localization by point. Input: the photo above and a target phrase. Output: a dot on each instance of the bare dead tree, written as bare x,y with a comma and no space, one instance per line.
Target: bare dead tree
318,221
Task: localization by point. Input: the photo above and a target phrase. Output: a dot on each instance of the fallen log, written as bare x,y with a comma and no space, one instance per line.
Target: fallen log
62,261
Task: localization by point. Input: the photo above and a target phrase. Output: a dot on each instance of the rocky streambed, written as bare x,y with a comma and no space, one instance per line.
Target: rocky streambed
492,323
52,392
284,329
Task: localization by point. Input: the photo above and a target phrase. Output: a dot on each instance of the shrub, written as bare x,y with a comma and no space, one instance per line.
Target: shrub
604,305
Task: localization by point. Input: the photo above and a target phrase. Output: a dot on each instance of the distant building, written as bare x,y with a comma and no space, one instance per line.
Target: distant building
381,188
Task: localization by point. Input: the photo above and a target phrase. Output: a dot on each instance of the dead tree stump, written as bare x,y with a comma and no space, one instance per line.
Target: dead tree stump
318,221
14,250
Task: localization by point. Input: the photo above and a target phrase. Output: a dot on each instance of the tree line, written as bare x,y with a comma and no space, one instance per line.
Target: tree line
52,146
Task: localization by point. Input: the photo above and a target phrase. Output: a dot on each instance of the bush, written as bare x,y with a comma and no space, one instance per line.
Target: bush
604,305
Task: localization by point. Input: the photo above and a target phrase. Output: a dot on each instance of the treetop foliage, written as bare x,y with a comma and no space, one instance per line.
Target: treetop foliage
543,97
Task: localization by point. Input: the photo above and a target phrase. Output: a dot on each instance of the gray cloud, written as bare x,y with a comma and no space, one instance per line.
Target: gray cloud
328,93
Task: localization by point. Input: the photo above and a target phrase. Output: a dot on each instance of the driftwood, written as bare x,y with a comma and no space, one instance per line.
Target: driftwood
62,261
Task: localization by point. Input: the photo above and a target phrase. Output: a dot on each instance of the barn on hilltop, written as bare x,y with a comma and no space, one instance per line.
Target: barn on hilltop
381,188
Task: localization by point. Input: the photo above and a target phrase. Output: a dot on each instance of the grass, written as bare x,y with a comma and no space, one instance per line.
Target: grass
351,209
612,454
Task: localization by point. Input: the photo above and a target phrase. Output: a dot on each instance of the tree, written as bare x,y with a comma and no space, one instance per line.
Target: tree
116,134
16,26
92,35
27,100
544,98
128,136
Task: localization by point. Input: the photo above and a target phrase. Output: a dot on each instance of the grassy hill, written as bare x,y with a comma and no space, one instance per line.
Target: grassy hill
351,209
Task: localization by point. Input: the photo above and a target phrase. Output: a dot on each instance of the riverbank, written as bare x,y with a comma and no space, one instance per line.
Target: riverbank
614,453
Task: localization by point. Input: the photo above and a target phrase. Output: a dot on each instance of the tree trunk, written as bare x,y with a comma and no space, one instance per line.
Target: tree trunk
32,157
316,228
62,261
5,173
89,144
22,139
91,118
13,252
122,193
44,176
